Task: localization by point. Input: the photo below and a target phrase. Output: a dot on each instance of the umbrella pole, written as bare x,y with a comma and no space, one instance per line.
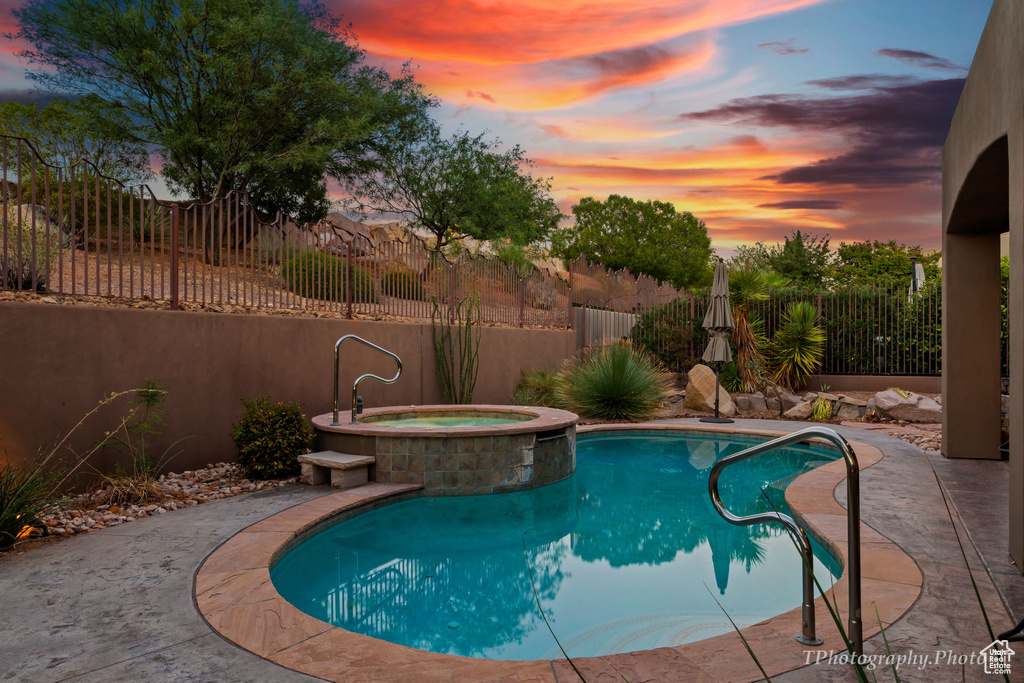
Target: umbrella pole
718,385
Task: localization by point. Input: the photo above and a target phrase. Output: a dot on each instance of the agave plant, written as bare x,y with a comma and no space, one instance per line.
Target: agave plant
615,382
798,346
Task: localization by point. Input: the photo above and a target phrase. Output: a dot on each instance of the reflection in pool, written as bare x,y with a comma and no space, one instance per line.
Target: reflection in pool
624,556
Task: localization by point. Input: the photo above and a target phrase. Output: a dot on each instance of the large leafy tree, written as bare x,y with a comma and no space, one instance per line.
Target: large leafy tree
459,186
64,132
646,237
802,259
269,97
871,262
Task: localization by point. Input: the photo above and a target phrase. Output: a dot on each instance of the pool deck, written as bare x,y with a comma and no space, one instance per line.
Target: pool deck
118,604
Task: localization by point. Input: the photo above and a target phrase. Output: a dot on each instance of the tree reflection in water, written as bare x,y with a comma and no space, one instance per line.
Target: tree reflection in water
450,574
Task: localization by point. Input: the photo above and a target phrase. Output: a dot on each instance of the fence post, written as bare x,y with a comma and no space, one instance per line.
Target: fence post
819,307
451,293
570,321
175,218
349,280
522,302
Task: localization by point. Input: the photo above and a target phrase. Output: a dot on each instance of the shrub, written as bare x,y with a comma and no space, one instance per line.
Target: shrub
403,285
669,333
537,388
615,382
821,410
457,348
24,493
270,437
798,346
315,275
32,247
136,482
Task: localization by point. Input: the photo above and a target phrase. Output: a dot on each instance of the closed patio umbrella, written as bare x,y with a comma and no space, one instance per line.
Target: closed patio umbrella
719,324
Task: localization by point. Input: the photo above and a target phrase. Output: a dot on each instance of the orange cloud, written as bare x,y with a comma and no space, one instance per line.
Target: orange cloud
531,31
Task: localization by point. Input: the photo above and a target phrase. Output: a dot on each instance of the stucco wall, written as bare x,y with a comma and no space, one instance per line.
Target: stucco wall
982,197
57,362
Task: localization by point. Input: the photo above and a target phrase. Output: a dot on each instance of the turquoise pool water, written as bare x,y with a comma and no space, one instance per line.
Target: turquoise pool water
428,422
624,556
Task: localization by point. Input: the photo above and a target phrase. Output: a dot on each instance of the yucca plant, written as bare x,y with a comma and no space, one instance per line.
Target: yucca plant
748,287
798,346
537,388
615,382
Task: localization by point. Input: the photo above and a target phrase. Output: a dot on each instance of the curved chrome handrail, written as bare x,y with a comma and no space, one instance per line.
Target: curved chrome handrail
855,631
355,385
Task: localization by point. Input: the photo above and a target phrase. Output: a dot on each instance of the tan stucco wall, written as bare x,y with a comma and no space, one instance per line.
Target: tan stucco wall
56,362
975,187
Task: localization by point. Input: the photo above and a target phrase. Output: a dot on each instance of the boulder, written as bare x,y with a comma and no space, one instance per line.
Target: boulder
773,404
758,403
800,411
827,396
914,408
789,400
871,405
700,392
848,411
810,396
849,400
742,402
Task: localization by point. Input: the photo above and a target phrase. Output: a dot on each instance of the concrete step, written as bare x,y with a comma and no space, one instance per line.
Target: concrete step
342,470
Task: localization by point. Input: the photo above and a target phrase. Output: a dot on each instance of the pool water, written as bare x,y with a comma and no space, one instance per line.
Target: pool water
628,554
456,421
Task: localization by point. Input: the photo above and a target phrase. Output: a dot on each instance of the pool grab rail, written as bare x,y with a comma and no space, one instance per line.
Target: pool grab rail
355,385
855,631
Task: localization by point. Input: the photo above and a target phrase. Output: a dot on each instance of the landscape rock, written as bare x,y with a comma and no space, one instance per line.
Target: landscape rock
914,408
758,402
800,411
789,400
773,404
810,396
742,402
848,411
827,396
871,405
700,392
849,400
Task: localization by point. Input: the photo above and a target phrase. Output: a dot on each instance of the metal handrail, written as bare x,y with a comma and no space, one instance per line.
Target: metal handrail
855,631
355,385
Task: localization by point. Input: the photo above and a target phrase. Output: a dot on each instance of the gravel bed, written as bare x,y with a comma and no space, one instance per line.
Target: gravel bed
77,514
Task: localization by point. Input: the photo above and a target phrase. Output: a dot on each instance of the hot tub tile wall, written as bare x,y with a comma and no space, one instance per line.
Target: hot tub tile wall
459,466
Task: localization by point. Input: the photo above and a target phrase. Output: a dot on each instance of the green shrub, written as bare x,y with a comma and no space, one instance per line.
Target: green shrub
316,275
404,285
669,333
270,437
24,493
615,382
798,345
821,410
537,388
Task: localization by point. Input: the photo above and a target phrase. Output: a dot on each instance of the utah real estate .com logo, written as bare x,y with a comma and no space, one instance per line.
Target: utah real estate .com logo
996,657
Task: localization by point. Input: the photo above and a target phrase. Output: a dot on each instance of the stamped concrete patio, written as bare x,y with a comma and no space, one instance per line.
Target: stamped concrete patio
117,604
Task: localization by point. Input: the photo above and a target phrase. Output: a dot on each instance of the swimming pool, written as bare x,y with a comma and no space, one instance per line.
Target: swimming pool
624,555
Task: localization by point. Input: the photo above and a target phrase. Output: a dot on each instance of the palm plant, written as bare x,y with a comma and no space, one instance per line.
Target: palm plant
798,346
615,382
749,286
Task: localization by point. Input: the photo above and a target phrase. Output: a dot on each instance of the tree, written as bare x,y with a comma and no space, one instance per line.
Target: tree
802,259
266,97
646,237
65,133
870,262
459,187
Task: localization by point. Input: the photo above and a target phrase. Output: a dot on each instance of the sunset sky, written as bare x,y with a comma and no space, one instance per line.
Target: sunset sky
759,116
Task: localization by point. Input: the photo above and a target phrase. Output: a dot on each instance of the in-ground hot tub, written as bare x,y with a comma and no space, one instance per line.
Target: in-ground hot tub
458,450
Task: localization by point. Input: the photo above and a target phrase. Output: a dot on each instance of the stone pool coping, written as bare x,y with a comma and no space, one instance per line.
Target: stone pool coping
236,597
544,419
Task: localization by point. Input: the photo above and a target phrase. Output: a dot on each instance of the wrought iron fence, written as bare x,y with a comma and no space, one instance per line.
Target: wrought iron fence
879,329
75,231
